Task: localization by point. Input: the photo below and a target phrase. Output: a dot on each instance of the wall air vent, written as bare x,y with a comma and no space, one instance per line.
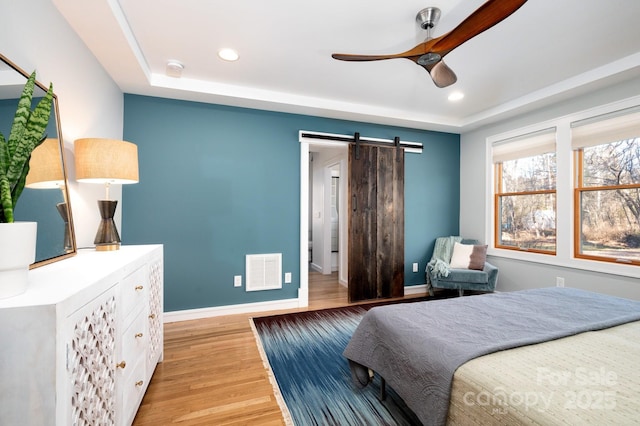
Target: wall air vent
264,271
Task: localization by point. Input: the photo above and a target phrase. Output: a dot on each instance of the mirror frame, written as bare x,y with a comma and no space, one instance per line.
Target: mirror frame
72,237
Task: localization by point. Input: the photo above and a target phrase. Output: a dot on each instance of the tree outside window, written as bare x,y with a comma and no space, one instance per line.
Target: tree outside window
525,192
607,199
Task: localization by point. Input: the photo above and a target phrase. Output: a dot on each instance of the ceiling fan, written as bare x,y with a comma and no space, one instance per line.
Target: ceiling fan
429,54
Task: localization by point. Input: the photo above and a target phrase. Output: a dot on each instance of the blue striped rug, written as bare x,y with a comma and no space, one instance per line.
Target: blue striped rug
304,352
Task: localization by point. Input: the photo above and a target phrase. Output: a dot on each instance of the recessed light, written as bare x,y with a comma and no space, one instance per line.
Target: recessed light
228,54
456,96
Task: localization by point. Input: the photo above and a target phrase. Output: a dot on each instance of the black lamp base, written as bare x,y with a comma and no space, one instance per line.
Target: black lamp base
107,237
63,209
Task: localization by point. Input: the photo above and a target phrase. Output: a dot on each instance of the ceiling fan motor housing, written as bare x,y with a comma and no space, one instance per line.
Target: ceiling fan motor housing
428,18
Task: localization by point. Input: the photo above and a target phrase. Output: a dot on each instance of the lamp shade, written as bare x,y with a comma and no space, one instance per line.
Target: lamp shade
106,161
45,166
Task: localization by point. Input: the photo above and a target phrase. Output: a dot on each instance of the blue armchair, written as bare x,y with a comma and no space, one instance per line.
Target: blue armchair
461,279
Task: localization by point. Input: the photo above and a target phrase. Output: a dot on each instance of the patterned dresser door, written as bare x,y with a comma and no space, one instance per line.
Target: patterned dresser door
92,365
155,312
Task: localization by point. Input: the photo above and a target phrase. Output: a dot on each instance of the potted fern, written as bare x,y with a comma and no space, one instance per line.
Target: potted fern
18,239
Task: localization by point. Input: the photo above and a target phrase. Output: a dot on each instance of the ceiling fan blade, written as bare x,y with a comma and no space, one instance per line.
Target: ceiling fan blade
442,75
485,17
360,58
417,51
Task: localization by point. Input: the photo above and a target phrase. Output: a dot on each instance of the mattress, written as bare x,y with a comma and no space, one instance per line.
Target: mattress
588,378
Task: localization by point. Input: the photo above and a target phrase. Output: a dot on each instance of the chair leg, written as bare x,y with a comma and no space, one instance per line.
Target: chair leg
460,292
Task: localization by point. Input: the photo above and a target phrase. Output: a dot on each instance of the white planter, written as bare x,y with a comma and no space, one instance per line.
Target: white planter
17,252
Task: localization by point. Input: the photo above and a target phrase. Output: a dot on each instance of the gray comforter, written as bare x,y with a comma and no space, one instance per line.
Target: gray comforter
418,346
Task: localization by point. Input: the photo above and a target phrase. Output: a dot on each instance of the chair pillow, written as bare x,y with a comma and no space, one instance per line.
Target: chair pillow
467,256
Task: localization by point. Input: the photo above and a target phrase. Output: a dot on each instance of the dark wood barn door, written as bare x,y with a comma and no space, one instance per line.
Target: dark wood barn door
376,223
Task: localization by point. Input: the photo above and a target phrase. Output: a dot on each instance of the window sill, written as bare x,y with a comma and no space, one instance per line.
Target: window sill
624,270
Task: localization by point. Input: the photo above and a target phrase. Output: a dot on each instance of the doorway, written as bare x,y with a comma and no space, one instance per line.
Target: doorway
324,175
328,242
310,141
307,213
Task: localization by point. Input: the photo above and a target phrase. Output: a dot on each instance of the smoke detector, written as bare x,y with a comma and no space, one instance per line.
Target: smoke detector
174,69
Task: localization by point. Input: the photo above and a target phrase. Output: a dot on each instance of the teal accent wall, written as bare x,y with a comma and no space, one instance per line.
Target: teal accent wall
218,183
431,199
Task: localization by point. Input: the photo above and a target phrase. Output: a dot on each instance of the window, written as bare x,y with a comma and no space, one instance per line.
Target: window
607,187
525,192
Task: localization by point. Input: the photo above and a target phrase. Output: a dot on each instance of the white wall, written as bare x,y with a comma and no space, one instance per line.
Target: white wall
319,211
517,274
35,36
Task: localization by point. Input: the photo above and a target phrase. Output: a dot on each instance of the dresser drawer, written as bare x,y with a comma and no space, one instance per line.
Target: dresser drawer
134,341
133,292
132,388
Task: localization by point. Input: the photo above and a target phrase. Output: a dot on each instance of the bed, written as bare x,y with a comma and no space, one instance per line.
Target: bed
541,356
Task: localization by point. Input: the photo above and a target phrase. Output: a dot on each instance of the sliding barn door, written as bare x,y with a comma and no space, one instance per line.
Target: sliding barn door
376,223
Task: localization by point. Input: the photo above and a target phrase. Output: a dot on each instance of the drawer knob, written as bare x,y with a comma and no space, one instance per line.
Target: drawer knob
139,383
139,287
152,316
138,335
121,364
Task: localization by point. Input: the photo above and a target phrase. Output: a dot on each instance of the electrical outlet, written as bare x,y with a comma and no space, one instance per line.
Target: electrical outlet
237,281
415,267
287,277
559,282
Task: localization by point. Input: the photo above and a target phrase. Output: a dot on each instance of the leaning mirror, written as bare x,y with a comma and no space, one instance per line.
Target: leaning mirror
45,198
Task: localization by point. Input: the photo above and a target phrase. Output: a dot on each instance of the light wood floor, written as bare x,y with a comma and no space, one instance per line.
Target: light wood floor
212,373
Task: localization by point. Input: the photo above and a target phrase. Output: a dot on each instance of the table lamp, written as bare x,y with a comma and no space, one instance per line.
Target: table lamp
107,162
45,172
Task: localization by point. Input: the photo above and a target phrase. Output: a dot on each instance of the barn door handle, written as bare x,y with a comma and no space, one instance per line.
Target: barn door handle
354,202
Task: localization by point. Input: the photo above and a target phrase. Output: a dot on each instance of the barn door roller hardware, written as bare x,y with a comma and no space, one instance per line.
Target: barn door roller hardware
335,139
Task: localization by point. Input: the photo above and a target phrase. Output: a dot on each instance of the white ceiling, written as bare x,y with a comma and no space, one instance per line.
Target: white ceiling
546,51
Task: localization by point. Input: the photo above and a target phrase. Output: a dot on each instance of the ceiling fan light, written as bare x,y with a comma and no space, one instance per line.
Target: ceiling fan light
228,54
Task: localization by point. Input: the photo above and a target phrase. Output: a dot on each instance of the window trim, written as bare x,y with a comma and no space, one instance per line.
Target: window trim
578,189
564,257
537,142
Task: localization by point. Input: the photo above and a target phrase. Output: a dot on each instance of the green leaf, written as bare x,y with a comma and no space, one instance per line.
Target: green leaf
27,132
5,199
32,136
22,114
5,188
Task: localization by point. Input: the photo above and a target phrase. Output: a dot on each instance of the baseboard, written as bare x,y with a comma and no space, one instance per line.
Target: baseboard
216,311
415,289
246,308
315,267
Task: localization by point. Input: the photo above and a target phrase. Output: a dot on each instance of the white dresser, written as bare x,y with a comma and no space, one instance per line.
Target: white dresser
80,346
